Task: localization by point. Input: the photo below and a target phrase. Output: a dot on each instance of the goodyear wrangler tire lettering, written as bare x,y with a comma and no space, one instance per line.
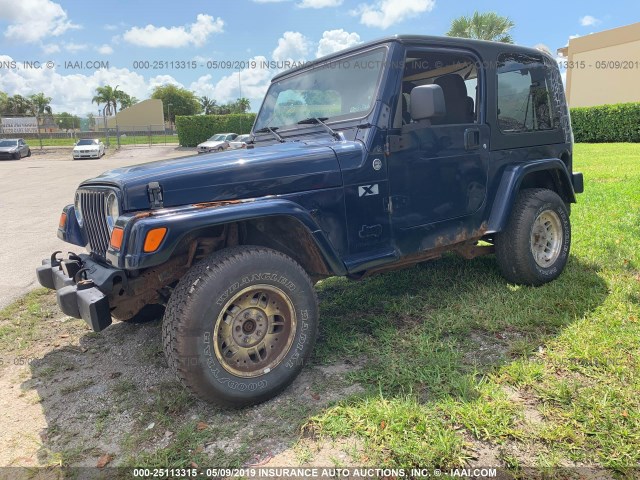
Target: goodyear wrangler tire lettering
249,316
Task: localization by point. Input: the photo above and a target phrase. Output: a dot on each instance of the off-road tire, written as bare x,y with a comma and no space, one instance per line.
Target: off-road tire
515,245
201,300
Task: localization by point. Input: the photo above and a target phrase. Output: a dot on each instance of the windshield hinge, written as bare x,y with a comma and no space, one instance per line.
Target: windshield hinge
155,195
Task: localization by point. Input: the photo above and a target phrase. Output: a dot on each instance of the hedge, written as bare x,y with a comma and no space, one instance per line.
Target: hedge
606,123
195,129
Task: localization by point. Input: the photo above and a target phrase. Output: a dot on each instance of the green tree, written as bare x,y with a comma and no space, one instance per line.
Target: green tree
242,105
4,99
66,121
18,105
183,101
125,99
110,97
40,104
483,26
208,105
91,119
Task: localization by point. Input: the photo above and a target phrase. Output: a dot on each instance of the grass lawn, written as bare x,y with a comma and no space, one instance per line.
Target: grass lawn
556,381
454,366
128,140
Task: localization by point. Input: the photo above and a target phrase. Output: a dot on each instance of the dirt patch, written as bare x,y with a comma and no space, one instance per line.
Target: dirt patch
79,397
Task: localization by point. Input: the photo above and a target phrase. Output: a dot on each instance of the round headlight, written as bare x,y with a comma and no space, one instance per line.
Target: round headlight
78,209
113,210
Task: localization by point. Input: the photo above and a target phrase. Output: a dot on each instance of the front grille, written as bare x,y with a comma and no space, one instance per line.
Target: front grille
94,215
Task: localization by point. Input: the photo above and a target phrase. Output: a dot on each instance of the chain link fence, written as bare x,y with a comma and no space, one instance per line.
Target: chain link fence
66,130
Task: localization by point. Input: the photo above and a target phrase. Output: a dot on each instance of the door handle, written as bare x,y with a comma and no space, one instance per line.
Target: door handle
472,139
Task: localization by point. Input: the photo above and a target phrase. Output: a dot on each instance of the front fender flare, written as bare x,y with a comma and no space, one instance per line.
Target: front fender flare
182,221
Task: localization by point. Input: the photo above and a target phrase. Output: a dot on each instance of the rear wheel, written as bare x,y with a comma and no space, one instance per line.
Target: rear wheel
240,325
533,249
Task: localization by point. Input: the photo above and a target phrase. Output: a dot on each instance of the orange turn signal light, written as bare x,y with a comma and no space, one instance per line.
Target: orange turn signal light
63,221
154,239
116,238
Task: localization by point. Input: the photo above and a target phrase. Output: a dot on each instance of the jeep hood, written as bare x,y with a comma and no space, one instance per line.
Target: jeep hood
271,170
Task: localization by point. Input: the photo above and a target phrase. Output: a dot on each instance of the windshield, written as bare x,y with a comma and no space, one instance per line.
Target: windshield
87,142
8,143
341,89
216,138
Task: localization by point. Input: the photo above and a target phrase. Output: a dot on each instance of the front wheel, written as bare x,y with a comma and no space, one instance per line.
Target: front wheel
240,325
533,249
29,153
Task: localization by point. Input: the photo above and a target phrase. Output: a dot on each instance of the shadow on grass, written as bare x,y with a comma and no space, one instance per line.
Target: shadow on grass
426,333
431,324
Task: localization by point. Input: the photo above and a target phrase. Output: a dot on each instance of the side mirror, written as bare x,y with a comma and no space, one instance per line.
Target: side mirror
427,101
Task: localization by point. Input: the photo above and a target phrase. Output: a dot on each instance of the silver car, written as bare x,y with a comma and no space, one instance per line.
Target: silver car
239,142
15,148
88,148
217,143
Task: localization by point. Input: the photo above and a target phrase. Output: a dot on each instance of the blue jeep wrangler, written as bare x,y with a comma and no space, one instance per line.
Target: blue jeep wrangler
368,160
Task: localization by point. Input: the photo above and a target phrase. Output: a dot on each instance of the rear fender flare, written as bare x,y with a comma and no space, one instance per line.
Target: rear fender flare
511,181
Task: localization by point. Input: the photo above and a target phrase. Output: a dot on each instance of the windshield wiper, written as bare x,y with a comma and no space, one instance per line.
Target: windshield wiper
272,131
320,121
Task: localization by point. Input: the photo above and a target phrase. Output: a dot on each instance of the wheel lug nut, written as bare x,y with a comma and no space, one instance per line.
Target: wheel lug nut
246,315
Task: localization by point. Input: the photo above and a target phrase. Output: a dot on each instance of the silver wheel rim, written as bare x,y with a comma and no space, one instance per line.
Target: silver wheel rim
546,238
255,331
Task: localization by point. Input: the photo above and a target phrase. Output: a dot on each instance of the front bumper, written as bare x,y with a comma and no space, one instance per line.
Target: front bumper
82,286
86,155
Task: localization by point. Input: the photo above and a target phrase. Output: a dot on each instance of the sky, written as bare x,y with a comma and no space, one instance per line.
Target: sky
220,48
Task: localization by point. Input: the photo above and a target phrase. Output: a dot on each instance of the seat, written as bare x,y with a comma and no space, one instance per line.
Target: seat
459,106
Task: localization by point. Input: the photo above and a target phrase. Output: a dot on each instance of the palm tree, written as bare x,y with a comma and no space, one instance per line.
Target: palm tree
40,104
483,26
208,105
126,100
243,105
109,97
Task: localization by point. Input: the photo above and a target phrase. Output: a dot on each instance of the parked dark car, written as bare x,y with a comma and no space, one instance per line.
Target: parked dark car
372,159
15,148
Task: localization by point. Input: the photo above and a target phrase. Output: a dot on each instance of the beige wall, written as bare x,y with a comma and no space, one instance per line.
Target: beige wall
588,85
140,116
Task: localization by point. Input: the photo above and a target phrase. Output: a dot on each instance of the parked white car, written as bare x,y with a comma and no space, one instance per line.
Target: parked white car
239,142
217,143
88,148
